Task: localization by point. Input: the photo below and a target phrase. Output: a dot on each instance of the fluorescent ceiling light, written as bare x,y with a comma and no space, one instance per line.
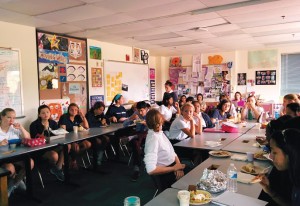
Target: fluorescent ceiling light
230,6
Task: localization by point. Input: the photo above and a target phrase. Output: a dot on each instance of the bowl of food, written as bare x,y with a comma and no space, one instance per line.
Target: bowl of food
199,197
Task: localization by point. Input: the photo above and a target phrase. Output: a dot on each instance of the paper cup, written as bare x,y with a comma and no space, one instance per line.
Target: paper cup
12,146
75,129
250,156
183,197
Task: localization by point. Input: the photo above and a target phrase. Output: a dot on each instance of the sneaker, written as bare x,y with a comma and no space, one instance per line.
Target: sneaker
135,176
58,173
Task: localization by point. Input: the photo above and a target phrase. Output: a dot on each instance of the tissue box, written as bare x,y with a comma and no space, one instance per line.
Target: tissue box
229,127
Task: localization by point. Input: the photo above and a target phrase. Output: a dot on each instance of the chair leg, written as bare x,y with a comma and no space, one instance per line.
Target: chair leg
105,154
88,158
113,149
126,149
121,147
41,179
155,193
130,157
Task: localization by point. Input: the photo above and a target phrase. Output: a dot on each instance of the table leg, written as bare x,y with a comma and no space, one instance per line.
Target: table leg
66,163
28,176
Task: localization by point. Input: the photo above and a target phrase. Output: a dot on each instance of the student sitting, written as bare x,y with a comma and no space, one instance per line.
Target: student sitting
238,101
116,112
42,126
9,129
96,118
182,100
160,158
293,109
287,99
190,100
184,126
251,109
285,147
74,117
167,110
222,112
204,118
203,105
232,110
139,117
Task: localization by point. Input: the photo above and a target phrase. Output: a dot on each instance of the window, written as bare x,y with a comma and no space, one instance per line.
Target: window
290,73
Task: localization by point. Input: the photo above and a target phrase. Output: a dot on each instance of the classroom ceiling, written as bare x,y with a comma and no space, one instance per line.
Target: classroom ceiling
165,27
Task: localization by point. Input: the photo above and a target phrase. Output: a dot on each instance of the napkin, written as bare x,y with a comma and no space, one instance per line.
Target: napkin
239,157
244,178
212,143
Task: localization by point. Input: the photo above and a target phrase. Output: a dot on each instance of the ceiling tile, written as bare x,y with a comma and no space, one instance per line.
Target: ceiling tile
131,5
156,37
211,3
103,21
278,38
35,7
166,9
61,28
162,41
188,42
184,18
133,26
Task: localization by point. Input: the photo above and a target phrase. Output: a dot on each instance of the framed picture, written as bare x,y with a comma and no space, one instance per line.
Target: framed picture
241,78
267,77
136,55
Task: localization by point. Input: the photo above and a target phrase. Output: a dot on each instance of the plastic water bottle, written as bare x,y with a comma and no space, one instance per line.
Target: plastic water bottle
250,116
232,178
217,124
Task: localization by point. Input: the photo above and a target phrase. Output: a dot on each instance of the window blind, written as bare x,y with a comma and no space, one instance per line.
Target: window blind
290,73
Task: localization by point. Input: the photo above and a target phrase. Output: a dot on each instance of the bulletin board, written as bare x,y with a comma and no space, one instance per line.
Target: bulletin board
267,77
10,80
62,72
129,79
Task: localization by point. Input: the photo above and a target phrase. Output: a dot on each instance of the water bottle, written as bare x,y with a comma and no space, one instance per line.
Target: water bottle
217,124
232,178
132,201
250,116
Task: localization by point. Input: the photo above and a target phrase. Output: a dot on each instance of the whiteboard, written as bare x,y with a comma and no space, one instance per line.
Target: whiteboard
10,81
129,79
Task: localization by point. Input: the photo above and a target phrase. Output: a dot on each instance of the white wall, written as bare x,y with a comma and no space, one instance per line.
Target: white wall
23,38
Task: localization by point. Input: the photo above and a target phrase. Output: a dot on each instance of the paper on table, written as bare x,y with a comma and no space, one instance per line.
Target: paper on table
244,178
239,157
231,198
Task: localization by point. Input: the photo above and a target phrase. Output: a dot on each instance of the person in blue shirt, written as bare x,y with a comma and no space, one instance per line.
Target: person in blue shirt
116,112
43,126
74,117
139,117
96,118
221,113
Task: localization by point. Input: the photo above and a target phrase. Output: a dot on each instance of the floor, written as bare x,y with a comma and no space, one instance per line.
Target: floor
91,188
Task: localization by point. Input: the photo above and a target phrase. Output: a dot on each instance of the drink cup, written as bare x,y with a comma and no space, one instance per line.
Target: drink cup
75,129
183,197
132,201
250,156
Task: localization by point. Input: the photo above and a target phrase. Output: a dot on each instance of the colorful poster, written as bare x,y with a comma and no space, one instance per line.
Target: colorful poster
96,77
113,85
95,53
77,51
52,56
241,78
175,61
52,42
96,98
267,77
47,73
57,107
74,88
76,72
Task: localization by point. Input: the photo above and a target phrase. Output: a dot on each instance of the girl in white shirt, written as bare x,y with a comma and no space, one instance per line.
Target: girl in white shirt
9,130
167,110
251,105
184,125
161,161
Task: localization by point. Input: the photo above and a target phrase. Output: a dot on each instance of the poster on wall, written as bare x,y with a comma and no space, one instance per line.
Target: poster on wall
175,61
96,77
267,77
241,78
96,98
95,52
152,85
62,69
57,107
113,85
264,59
136,55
